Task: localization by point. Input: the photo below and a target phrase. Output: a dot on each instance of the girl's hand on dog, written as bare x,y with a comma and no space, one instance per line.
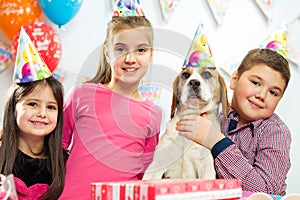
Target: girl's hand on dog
199,129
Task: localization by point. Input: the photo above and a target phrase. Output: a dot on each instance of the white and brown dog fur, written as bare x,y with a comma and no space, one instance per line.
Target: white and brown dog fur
199,90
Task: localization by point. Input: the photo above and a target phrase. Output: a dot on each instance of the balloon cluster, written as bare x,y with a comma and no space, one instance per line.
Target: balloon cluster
29,14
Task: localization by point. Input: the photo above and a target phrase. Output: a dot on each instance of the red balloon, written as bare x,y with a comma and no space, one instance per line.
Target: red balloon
14,14
45,40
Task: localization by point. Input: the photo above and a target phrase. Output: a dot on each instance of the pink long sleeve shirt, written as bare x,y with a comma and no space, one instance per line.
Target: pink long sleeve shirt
113,138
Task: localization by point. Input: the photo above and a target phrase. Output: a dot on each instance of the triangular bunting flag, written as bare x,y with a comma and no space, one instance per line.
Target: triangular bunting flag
167,8
218,8
5,56
267,7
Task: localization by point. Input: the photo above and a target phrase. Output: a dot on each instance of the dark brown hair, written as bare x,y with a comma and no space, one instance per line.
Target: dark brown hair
116,25
52,144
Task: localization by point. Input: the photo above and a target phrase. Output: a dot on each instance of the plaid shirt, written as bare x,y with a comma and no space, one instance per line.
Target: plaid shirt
257,154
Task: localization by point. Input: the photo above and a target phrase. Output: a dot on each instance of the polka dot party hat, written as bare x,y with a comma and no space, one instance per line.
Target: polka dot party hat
199,54
127,8
277,41
29,66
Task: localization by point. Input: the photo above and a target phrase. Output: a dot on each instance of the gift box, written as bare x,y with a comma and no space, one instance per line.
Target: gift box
167,189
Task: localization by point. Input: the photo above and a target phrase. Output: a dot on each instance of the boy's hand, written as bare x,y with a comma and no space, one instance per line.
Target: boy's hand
199,129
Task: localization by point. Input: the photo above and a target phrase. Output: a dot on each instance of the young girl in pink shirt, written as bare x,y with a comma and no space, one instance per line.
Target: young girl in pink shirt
113,130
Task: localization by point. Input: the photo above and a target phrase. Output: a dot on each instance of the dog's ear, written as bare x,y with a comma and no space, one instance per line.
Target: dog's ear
175,97
223,97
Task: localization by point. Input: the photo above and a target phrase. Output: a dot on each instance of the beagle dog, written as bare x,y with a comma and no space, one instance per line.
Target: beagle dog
198,90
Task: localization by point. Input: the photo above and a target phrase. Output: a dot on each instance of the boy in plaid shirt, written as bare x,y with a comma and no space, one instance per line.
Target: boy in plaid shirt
255,144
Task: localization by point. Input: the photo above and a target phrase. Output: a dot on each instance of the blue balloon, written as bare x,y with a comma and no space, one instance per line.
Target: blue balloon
60,12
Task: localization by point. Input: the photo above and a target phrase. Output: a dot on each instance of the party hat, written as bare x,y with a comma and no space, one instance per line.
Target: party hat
128,8
277,41
29,66
199,54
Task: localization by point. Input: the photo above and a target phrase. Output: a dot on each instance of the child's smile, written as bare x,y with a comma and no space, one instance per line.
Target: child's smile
257,92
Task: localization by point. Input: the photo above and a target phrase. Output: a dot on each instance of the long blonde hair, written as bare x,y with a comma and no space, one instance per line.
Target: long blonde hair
117,24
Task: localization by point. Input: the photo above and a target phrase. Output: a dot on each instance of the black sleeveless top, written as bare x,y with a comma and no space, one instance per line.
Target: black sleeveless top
31,170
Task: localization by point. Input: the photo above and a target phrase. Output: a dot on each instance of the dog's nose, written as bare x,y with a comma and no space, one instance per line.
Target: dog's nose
194,83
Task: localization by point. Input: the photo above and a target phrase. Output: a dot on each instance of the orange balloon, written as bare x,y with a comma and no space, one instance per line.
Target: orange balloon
14,14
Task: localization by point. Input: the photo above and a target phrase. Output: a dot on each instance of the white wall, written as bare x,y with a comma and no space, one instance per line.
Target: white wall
244,27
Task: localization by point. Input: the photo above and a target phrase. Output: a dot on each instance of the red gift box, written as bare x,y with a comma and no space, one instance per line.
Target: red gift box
166,189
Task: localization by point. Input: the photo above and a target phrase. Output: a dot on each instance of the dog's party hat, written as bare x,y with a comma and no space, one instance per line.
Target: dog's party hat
277,41
29,66
128,8
199,54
